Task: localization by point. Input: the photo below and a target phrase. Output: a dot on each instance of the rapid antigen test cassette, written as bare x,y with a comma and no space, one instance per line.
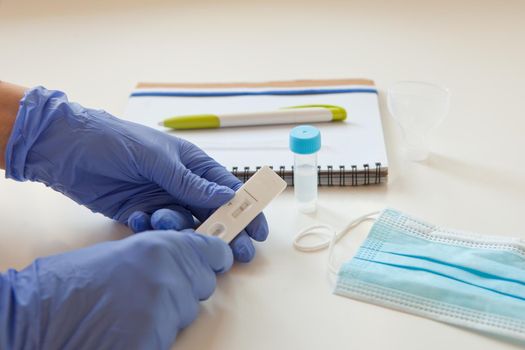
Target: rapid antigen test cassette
230,219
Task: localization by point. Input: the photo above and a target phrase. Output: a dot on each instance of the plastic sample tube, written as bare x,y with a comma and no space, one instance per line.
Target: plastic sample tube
305,142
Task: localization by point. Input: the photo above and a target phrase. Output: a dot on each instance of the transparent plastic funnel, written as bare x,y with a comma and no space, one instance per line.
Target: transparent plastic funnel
418,107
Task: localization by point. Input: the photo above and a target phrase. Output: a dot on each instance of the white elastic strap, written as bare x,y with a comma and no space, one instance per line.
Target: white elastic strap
328,238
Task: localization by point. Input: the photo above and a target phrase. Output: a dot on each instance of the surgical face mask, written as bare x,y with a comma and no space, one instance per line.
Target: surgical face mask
464,279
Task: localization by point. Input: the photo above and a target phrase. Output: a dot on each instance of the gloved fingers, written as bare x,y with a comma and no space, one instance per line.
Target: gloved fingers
204,288
190,189
258,228
242,247
202,277
201,164
139,222
174,218
190,313
195,260
215,252
198,261
186,304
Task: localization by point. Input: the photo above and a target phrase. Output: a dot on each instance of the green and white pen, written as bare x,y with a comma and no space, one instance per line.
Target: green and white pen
291,115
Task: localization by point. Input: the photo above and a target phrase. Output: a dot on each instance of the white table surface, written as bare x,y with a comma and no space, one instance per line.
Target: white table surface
473,181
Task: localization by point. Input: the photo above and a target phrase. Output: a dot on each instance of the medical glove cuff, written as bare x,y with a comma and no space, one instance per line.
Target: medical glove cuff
30,122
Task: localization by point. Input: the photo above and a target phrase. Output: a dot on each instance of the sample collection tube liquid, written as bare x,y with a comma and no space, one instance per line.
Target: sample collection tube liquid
305,142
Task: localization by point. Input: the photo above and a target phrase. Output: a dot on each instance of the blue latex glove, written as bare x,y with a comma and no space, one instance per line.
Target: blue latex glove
116,168
136,293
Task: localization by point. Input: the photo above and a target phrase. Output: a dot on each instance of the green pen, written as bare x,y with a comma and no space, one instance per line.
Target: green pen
304,114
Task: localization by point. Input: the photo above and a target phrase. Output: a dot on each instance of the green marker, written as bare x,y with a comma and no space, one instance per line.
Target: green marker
291,115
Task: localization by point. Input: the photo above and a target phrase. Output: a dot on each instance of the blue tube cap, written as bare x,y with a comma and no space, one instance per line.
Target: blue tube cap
305,139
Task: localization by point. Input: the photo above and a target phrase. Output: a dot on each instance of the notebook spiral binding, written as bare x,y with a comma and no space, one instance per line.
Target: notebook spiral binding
341,176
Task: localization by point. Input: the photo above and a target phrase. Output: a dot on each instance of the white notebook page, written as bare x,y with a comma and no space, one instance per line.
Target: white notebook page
356,141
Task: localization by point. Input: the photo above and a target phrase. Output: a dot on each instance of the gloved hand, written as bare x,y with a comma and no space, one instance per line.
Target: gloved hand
136,293
116,168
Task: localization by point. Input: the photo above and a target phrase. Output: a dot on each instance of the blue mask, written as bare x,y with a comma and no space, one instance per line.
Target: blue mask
468,280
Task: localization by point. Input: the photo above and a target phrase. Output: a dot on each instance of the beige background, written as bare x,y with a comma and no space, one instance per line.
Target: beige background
473,181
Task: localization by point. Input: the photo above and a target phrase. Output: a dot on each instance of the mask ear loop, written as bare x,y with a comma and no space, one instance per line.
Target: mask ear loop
332,266
328,238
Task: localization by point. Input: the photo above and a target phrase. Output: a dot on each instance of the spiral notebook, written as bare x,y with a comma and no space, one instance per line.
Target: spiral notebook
352,153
